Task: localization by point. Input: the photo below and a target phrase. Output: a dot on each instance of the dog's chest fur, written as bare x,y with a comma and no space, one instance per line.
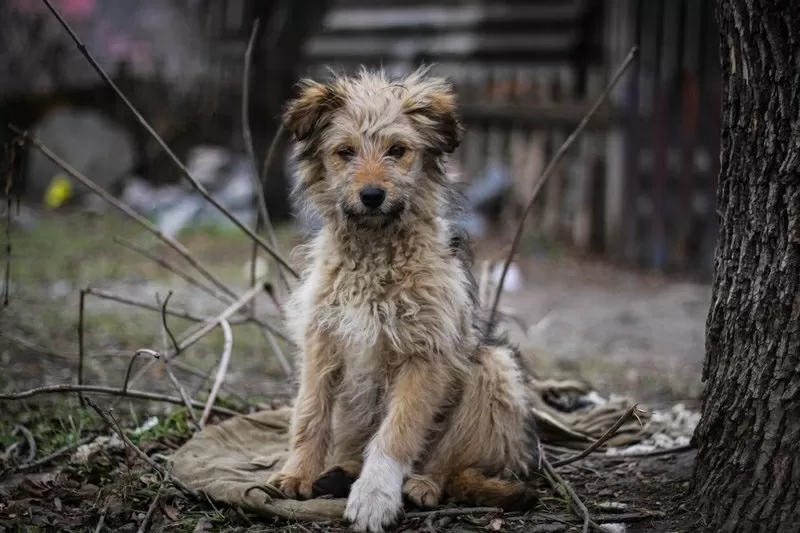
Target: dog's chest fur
382,302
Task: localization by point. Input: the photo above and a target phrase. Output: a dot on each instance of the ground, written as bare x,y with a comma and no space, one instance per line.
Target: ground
624,332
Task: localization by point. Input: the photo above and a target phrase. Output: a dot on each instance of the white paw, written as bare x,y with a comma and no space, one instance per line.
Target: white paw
374,503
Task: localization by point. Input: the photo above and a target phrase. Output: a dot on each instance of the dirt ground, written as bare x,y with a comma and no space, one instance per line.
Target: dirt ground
624,332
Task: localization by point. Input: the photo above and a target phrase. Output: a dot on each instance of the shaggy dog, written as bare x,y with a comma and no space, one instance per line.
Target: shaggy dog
400,388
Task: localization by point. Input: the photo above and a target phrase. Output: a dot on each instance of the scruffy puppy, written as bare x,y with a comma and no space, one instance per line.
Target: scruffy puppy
398,383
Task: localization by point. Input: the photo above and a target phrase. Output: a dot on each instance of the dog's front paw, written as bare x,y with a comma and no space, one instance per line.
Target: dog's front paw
373,504
294,485
423,491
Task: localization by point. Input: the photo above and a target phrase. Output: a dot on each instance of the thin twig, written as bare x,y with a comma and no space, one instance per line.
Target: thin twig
279,355
561,482
599,442
111,391
655,453
248,138
455,511
49,457
165,476
81,353
168,365
264,174
32,450
181,167
105,295
151,510
121,206
228,294
136,354
164,325
102,519
195,334
221,371
548,171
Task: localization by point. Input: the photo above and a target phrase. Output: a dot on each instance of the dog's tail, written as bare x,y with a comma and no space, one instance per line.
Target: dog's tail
472,487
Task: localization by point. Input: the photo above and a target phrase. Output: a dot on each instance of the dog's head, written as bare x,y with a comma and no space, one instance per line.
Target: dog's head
370,150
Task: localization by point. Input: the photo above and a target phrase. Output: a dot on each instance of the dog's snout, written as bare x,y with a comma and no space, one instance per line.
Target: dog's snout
372,197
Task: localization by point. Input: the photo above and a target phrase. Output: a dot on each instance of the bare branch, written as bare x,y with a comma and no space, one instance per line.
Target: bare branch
559,482
165,476
195,334
181,167
152,509
221,371
81,354
110,391
551,167
56,454
599,442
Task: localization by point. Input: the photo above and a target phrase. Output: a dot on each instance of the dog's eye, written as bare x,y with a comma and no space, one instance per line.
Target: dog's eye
396,151
346,153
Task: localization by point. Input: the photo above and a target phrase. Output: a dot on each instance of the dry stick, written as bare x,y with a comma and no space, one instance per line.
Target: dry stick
151,510
26,433
154,355
221,371
548,171
166,476
228,294
248,144
584,512
456,511
105,295
599,442
181,167
56,454
195,334
121,206
167,333
264,173
111,391
80,344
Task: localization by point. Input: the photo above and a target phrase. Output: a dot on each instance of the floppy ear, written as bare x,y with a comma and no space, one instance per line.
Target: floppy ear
432,106
312,109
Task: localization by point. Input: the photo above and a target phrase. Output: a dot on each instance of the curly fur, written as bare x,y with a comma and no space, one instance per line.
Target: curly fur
399,390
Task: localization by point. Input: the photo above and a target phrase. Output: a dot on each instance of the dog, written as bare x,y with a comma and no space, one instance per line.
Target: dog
401,390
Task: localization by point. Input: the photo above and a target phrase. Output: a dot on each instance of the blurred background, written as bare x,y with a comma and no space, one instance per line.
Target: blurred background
612,277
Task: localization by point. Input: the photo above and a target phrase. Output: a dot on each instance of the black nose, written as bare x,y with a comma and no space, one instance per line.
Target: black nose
372,196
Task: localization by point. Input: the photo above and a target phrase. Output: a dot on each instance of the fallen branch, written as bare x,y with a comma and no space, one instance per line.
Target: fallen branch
558,481
150,510
221,371
455,511
548,171
110,391
49,457
599,442
180,166
165,476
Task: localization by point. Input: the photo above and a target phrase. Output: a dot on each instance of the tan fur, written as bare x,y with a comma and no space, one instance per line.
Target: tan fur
397,385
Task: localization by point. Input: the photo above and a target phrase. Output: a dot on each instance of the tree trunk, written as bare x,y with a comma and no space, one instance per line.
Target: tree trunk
747,475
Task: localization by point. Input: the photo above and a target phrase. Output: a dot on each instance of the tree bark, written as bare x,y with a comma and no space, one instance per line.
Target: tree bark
747,474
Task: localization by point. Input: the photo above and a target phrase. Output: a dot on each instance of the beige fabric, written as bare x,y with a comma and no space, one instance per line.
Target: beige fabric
231,462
